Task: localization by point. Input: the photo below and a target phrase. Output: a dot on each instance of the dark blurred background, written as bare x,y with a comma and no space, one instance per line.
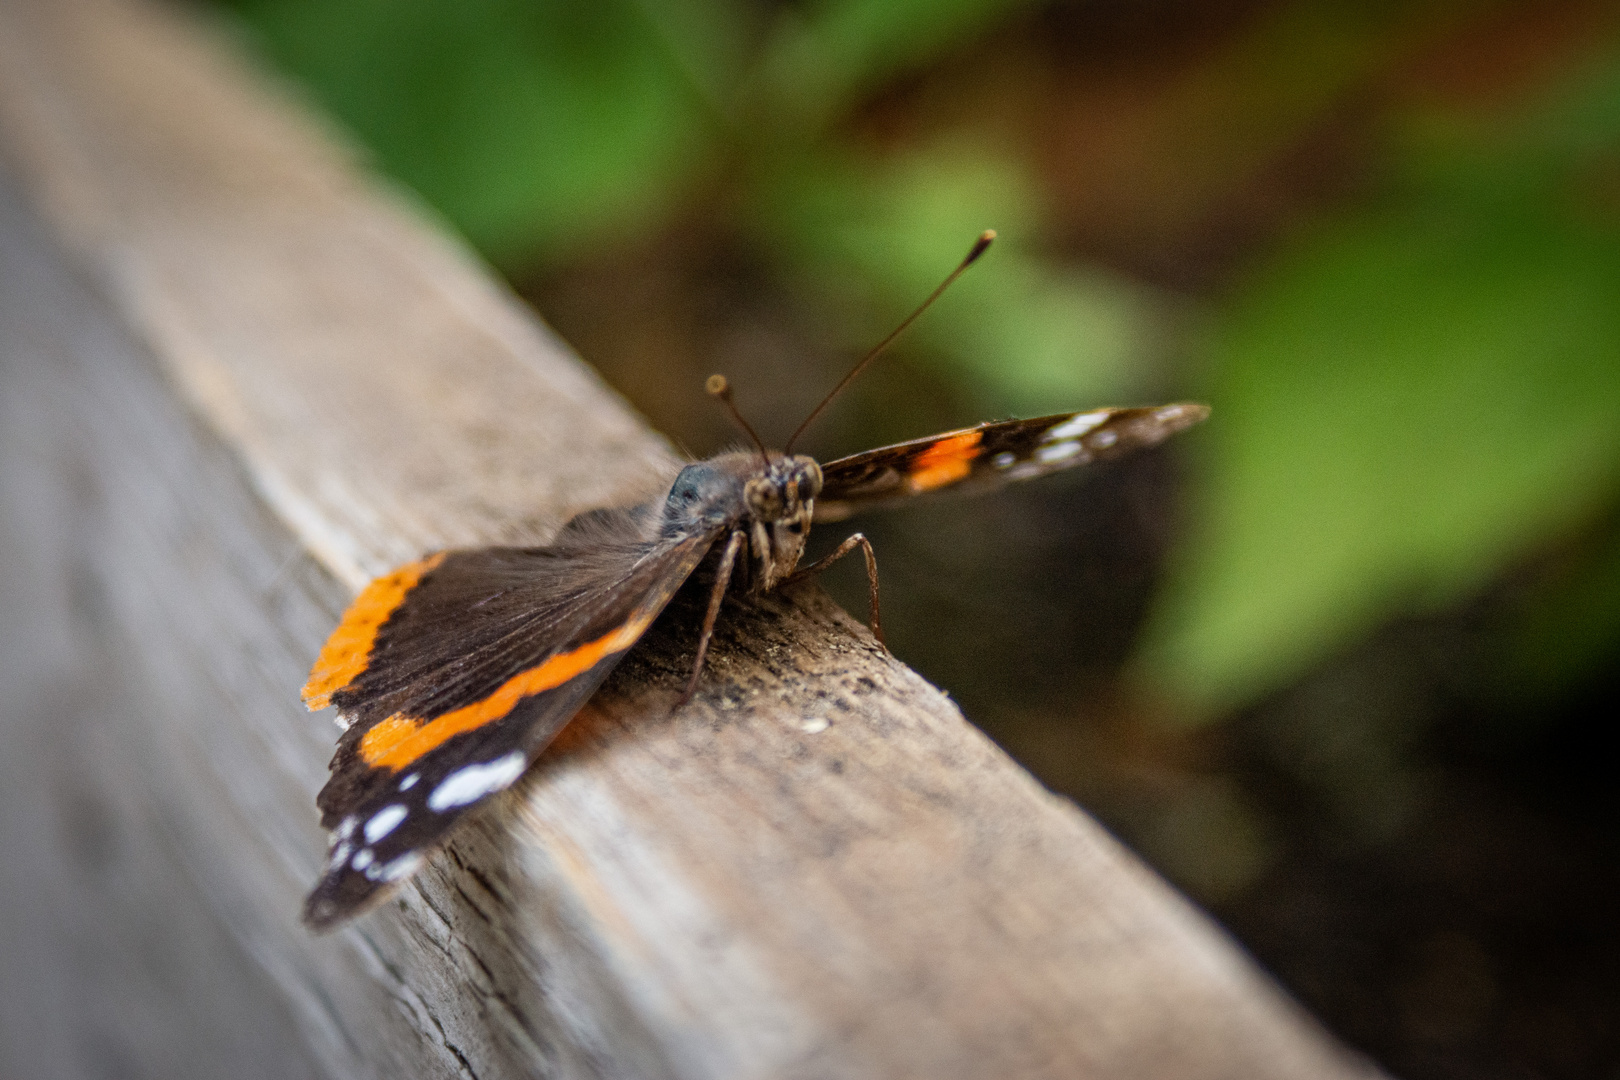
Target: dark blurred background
1335,663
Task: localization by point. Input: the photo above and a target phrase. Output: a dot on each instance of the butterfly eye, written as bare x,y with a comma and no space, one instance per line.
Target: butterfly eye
809,480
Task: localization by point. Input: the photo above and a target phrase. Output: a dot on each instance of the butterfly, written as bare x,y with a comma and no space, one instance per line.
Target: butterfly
452,673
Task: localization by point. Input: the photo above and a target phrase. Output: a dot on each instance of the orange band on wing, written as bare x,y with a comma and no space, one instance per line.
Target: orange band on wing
399,740
947,461
348,651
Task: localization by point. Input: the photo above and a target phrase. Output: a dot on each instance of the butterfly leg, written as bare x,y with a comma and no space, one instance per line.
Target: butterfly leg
722,579
856,540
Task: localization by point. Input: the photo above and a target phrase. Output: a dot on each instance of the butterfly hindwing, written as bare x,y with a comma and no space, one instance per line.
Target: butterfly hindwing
987,456
454,672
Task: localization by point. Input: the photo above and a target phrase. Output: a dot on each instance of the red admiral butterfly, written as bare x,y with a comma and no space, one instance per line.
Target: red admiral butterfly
453,673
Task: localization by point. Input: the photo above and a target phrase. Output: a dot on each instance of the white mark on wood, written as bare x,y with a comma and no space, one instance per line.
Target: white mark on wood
815,725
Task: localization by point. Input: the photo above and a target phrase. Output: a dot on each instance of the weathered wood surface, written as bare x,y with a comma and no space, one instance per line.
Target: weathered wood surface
221,349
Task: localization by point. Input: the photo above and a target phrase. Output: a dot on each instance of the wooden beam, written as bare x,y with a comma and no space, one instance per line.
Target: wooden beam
816,869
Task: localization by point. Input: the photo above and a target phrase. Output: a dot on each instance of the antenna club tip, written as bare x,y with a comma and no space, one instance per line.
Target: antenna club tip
717,386
979,245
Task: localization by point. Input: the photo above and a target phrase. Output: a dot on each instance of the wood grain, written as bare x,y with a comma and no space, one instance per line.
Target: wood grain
816,869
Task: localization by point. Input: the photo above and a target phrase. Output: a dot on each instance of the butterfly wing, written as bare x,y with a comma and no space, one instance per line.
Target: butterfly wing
454,672
987,456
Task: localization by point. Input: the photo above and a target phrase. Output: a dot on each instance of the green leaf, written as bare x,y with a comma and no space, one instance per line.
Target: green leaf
1405,402
531,126
1027,334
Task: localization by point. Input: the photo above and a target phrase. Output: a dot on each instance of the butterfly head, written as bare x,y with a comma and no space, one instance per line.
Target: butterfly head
772,502
780,501
785,491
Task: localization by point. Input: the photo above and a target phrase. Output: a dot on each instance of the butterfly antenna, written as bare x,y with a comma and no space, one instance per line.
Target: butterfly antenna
718,386
979,247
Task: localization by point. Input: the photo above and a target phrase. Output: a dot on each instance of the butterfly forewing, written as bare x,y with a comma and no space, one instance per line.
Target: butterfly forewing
454,673
987,456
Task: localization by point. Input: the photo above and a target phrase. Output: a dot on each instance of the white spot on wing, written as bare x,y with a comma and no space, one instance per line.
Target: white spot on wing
1106,438
404,866
1058,452
384,822
1076,426
815,725
346,829
410,781
339,855
363,858
470,783
1004,459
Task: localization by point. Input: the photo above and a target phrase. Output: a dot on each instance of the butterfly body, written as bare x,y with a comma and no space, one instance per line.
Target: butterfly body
453,673
771,501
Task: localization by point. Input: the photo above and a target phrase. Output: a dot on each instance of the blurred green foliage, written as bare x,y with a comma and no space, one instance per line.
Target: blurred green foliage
1030,337
530,126
539,129
1409,395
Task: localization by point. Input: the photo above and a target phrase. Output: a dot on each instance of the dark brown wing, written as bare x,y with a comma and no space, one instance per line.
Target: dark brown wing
987,456
453,673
